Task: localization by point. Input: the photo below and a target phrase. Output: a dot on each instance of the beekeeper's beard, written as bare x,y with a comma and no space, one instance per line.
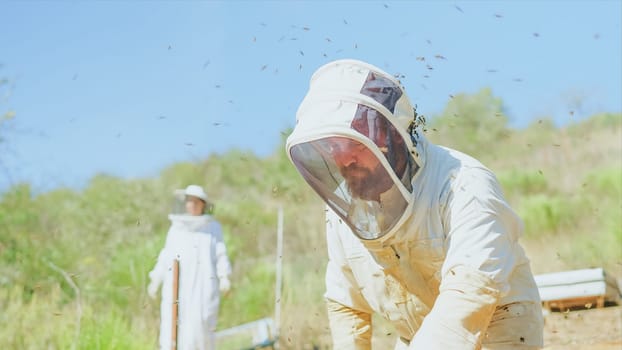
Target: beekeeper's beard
365,183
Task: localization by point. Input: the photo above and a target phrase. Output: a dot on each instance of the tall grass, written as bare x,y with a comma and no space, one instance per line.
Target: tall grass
566,184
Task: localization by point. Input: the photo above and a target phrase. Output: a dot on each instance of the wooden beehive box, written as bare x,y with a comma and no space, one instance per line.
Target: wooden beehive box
584,288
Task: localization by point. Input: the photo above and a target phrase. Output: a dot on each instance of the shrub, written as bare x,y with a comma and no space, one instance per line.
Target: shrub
518,183
544,214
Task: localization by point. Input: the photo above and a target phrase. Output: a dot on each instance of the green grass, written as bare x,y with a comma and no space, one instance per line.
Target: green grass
519,182
107,236
107,329
251,297
544,214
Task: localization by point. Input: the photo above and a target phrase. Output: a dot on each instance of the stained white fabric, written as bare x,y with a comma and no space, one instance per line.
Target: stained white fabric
198,244
458,251
449,264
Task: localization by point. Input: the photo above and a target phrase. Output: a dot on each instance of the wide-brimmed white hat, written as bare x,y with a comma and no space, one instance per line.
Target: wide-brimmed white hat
196,191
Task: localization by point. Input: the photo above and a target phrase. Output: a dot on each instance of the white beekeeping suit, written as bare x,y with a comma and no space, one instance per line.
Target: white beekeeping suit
204,271
417,233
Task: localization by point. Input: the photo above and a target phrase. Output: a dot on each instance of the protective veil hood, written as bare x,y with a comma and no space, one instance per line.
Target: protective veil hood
354,144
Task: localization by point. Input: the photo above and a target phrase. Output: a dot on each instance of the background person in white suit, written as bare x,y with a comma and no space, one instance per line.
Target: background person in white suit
418,233
195,238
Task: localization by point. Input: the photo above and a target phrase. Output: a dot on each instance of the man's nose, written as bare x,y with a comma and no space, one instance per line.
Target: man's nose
345,158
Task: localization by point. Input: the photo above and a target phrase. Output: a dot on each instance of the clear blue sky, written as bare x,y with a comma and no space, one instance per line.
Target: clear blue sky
128,88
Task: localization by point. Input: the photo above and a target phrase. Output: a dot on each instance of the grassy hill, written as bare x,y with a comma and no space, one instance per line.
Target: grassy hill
73,264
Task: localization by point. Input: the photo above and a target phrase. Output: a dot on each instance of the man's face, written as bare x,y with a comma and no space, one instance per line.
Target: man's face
194,206
365,176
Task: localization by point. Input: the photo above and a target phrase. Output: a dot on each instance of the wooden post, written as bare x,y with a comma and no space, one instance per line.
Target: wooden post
600,302
175,303
279,273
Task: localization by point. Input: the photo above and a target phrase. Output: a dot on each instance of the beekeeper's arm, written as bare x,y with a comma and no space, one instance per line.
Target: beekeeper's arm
481,230
223,266
349,315
156,276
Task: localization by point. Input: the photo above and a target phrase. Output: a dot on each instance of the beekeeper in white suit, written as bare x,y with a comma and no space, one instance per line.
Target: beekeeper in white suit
418,233
195,238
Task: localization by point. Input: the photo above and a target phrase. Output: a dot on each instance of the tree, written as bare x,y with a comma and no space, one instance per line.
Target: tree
470,121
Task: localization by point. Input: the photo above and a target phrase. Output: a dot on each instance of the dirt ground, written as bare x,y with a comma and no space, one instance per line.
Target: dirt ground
597,329
593,329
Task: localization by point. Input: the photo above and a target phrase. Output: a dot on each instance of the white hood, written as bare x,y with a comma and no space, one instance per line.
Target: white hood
356,114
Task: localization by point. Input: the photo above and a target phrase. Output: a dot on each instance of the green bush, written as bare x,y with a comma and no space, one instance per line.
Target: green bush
107,330
599,247
251,297
126,273
518,183
606,182
470,122
544,214
598,121
39,321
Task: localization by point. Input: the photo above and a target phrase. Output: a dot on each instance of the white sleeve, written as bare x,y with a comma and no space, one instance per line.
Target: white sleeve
223,266
340,283
481,233
482,230
164,258
348,313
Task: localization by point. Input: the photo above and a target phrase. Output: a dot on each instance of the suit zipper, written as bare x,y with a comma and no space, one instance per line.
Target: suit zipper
395,251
